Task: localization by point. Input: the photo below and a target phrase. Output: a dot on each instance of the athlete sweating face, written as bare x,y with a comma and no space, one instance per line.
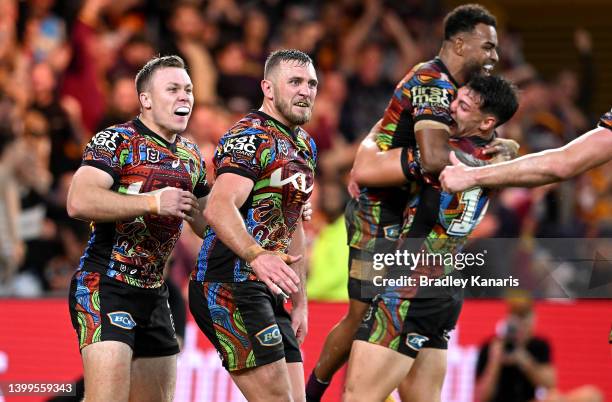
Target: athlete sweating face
290,88
165,92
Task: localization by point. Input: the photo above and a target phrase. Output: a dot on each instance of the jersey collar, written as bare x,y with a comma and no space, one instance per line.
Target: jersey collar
285,129
144,130
442,66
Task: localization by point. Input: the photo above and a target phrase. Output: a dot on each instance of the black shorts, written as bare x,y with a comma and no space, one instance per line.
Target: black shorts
246,323
105,309
407,325
361,274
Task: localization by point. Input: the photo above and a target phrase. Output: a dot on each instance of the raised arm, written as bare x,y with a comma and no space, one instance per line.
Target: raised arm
586,152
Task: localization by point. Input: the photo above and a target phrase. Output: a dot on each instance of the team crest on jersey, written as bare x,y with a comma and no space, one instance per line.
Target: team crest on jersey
122,319
392,232
415,341
153,155
269,336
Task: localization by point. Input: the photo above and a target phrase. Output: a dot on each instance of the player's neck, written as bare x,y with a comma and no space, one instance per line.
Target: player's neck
453,63
157,129
269,109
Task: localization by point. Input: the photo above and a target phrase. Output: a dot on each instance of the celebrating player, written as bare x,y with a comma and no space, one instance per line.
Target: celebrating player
405,332
265,173
418,114
137,182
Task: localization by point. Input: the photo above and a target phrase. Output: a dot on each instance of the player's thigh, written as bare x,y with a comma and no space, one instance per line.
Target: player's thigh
106,368
269,382
426,378
296,379
153,379
374,371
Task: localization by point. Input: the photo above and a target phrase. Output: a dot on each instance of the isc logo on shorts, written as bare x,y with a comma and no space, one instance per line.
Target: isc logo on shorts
416,341
122,319
269,336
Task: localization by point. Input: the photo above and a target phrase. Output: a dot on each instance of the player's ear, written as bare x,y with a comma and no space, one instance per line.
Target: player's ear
459,45
145,100
266,88
488,124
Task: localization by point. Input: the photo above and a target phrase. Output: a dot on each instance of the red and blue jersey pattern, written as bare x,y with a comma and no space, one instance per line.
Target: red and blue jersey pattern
140,161
281,162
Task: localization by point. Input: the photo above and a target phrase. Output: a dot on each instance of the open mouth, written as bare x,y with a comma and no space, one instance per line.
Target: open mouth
302,104
488,68
182,111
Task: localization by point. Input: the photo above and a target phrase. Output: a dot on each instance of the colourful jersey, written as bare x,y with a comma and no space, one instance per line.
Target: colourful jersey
140,161
606,120
443,221
421,100
281,164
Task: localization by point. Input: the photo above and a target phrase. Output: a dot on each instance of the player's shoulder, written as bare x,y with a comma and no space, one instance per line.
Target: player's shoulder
303,136
187,144
125,130
432,72
114,136
251,125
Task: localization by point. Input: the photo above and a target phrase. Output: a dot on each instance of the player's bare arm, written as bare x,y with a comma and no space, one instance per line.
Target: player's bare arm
586,152
372,167
433,149
222,213
299,312
90,198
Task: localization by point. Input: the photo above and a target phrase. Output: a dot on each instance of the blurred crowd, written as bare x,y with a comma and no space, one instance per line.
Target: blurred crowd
67,70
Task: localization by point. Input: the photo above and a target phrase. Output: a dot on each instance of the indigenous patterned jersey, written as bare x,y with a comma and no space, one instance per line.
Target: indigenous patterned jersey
281,163
606,120
140,161
421,100
442,221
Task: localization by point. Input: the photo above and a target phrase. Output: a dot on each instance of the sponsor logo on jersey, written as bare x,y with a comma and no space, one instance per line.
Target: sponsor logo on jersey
245,145
269,336
122,319
430,96
415,341
297,180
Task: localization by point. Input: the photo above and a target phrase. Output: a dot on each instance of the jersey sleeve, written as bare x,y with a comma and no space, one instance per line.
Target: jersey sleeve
246,154
104,152
606,120
201,188
431,99
424,99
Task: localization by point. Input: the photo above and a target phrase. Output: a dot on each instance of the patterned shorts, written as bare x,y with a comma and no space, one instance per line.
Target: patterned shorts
105,309
246,323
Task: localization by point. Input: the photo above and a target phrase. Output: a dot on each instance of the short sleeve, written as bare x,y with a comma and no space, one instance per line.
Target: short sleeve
201,188
104,152
245,154
431,98
606,120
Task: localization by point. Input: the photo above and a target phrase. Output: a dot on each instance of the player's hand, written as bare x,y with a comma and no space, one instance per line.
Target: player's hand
353,187
457,177
172,201
299,322
307,211
502,150
273,270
